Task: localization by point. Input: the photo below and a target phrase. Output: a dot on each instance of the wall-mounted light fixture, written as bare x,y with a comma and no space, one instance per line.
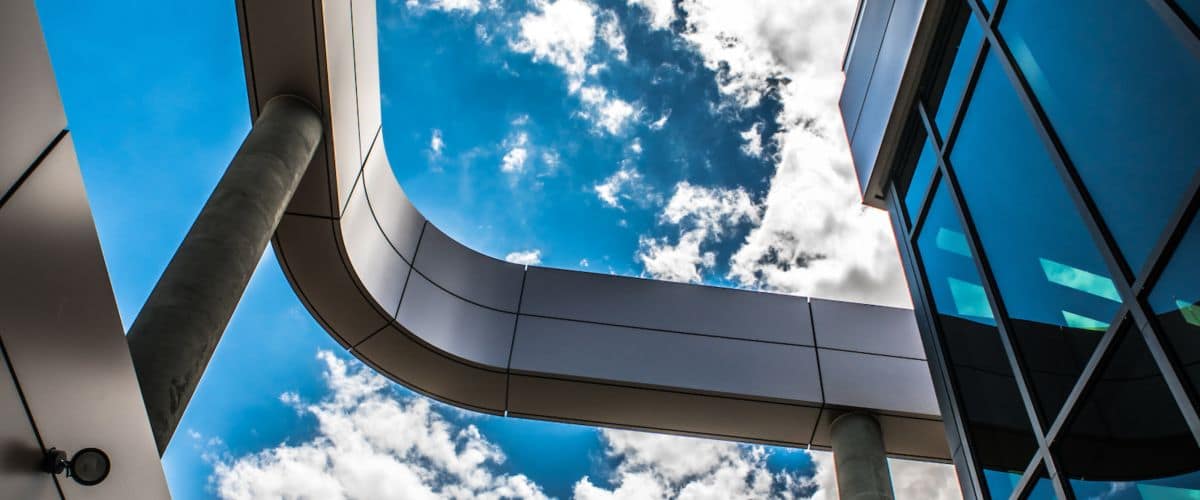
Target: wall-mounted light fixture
89,466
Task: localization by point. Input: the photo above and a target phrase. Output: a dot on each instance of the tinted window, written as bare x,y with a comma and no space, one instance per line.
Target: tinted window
921,177
963,53
1130,413
990,402
1120,89
1176,302
1051,278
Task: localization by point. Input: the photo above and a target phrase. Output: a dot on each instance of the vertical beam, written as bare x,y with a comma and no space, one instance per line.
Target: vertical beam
859,459
178,328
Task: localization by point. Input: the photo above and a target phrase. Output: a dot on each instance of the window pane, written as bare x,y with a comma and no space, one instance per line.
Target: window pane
921,177
1001,485
1176,302
1050,276
1119,88
1129,440
991,403
963,52
1042,489
1191,8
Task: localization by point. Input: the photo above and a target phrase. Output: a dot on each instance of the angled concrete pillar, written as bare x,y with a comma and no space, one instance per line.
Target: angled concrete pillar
181,323
859,458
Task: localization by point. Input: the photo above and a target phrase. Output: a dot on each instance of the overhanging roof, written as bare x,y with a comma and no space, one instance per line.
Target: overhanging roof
502,338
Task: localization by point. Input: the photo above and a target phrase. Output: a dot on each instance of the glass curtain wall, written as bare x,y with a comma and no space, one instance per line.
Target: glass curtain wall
1048,194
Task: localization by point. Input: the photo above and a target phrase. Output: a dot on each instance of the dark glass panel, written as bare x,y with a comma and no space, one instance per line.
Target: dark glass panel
992,410
1176,302
959,57
1119,88
1129,440
1051,278
921,177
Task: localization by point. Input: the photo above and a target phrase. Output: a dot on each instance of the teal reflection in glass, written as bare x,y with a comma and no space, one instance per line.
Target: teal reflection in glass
1119,87
960,72
1129,440
1042,490
1175,300
1001,484
921,177
1000,432
1054,284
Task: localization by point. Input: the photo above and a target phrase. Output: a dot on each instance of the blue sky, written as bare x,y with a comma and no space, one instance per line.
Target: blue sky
695,142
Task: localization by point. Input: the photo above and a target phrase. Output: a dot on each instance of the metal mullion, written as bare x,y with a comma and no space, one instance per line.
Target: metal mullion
1084,382
1178,385
1000,314
919,220
924,308
1028,477
1179,22
968,90
1176,230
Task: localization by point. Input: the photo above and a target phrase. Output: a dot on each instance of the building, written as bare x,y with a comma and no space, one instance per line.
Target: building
1040,163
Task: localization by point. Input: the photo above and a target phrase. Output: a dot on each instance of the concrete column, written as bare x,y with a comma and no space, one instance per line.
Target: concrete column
859,458
181,323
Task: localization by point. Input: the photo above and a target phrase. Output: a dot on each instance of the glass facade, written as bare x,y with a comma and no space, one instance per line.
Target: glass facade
1048,201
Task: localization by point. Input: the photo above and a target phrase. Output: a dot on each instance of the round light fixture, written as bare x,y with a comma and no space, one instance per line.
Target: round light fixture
89,466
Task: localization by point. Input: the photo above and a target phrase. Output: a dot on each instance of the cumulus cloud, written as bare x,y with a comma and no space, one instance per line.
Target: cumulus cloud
371,444
514,160
612,35
526,257
466,6
659,13
560,32
815,237
661,121
702,215
609,113
435,143
654,466
625,184
753,146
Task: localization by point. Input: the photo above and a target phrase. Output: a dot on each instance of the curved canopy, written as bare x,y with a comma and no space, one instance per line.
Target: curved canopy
502,338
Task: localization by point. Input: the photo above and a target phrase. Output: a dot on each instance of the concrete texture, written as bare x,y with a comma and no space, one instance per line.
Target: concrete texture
181,323
859,458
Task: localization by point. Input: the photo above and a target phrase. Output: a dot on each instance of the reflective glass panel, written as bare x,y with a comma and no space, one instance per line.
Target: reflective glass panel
963,53
921,177
1043,489
1119,88
991,404
1176,302
1050,276
1001,485
1191,8
1129,440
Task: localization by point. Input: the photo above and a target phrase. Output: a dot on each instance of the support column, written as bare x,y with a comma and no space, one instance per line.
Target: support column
181,323
859,458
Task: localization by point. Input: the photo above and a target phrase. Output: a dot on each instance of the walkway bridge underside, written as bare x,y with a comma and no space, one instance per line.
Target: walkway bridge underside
550,344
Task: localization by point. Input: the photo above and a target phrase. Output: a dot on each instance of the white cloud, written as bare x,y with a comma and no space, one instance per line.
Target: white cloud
753,137
560,32
435,143
655,466
608,113
626,184
467,6
660,13
370,444
661,121
526,257
514,160
584,263
815,238
702,215
636,146
611,34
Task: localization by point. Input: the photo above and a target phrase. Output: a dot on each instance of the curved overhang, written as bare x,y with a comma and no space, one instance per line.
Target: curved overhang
507,339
